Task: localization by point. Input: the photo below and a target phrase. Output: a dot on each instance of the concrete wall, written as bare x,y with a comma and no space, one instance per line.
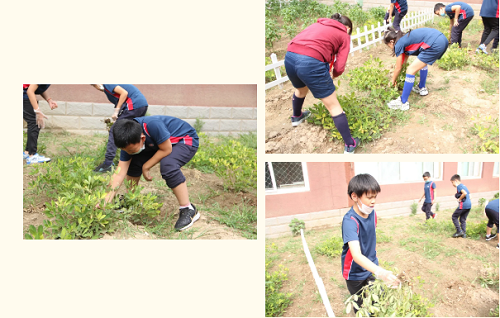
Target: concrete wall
225,109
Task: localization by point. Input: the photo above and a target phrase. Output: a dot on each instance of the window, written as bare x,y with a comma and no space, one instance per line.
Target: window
400,172
495,169
286,177
469,170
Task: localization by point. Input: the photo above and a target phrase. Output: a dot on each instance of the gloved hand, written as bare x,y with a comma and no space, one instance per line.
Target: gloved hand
387,276
40,118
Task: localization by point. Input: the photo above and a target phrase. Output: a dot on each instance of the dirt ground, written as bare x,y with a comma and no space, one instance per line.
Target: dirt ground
440,122
450,280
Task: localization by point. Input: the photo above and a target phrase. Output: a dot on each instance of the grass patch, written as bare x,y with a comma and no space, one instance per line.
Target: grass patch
241,217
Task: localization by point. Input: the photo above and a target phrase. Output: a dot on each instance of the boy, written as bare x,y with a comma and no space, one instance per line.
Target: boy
146,141
460,14
129,103
463,208
359,257
491,212
429,194
398,14
489,14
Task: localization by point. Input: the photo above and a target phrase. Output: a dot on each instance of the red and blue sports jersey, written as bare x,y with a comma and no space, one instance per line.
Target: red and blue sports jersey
493,205
489,9
357,228
41,88
429,191
466,10
400,5
135,99
416,41
467,203
159,129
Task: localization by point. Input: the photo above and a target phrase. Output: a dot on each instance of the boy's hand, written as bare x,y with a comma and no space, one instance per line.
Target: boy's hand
432,203
115,115
52,104
456,23
145,173
387,276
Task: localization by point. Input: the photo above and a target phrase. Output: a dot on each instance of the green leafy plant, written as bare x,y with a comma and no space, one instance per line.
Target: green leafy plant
486,129
476,230
454,58
331,247
276,301
34,233
481,201
198,125
437,207
296,225
413,208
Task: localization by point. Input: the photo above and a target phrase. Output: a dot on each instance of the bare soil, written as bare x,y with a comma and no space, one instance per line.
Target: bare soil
440,122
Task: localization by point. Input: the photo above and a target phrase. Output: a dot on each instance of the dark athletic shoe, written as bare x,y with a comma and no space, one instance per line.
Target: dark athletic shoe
464,235
297,120
489,237
458,234
187,217
104,168
350,149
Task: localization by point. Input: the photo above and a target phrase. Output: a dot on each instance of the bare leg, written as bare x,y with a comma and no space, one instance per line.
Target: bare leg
181,193
416,66
332,104
488,230
301,92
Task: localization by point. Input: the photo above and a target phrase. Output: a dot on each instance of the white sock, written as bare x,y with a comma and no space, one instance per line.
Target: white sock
187,206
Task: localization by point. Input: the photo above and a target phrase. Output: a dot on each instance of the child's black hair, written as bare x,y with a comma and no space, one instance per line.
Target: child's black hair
391,34
455,177
126,132
344,20
438,7
426,174
361,184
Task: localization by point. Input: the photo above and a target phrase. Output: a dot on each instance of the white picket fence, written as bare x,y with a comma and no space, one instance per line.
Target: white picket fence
371,36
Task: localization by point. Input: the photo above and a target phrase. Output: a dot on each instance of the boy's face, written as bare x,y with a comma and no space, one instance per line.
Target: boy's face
426,178
132,149
440,12
454,183
99,87
368,199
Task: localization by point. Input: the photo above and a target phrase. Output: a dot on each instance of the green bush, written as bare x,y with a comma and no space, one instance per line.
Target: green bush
272,33
455,58
276,301
476,230
296,225
487,130
331,247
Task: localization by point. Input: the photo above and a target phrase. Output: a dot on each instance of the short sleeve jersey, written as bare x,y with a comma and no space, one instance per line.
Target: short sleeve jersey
357,228
466,10
158,129
416,41
489,9
135,99
493,205
41,88
465,204
400,5
429,191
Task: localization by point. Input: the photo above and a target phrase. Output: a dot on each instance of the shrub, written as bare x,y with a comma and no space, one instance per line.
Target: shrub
487,130
413,208
481,202
272,33
296,225
276,301
454,58
331,247
476,230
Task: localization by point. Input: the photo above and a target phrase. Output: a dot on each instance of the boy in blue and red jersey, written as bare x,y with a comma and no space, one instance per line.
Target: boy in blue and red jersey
398,14
491,212
489,14
359,255
429,194
460,14
146,141
129,103
428,45
464,206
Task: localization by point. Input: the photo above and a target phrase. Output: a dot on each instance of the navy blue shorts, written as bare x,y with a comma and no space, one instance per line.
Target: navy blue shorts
170,166
303,70
435,52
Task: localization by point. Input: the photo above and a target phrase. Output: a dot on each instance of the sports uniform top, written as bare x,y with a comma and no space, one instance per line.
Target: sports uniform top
41,88
429,191
493,205
357,228
323,40
400,5
489,9
158,129
466,10
415,41
134,100
465,204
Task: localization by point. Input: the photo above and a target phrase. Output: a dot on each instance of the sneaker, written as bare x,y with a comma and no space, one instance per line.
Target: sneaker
422,91
497,246
298,120
104,168
187,217
25,156
464,235
434,215
481,48
491,236
458,234
36,158
397,104
349,149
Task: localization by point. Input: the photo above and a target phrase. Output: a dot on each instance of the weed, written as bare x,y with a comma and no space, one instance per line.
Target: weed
454,58
381,237
332,247
487,131
276,301
490,86
437,207
296,225
481,202
198,125
413,208
240,217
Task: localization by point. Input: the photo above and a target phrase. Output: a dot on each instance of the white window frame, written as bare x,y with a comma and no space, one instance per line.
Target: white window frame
288,190
438,165
473,177
495,164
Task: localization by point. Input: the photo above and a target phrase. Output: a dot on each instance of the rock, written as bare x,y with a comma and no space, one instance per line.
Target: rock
273,134
329,150
270,146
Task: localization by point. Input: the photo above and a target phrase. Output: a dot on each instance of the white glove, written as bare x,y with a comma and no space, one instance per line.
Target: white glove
387,276
40,118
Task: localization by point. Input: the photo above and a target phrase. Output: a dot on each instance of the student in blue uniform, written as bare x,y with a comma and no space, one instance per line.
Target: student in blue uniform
463,208
428,45
489,14
460,14
359,255
129,103
491,212
398,14
429,194
35,119
146,141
